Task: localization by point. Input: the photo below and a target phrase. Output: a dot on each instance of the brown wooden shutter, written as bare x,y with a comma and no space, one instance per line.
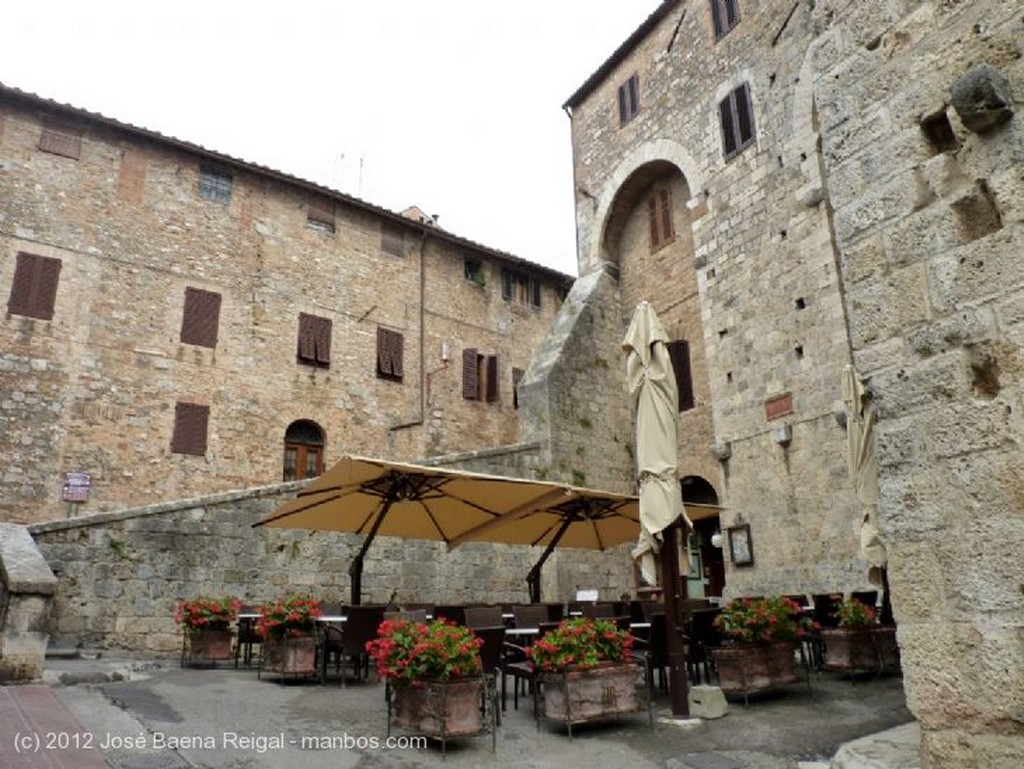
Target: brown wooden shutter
716,18
307,338
200,320
517,377
34,288
397,354
320,210
652,217
725,114
191,422
389,353
679,354
667,229
61,139
634,95
470,378
493,391
392,239
744,114
323,341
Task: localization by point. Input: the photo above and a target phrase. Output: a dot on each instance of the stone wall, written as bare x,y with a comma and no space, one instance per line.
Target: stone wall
26,590
94,390
121,574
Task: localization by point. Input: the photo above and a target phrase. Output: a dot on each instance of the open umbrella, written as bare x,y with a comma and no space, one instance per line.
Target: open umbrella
368,496
652,385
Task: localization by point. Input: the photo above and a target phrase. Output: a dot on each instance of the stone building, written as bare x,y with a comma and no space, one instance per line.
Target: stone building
798,187
181,323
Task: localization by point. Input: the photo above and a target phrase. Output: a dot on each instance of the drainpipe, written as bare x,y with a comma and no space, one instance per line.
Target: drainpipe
423,337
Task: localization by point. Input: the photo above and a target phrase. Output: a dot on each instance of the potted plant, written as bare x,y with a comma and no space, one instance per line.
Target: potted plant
206,623
760,643
288,629
434,676
585,669
859,642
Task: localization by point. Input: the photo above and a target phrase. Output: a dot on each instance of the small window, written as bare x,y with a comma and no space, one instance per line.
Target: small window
214,184
392,239
517,377
191,422
679,354
736,113
725,14
200,319
61,139
629,99
389,354
34,289
303,451
519,287
479,376
659,210
473,269
320,213
314,340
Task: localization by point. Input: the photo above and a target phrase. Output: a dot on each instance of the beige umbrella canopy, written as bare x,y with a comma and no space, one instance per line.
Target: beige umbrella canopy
863,468
652,386
360,495
368,496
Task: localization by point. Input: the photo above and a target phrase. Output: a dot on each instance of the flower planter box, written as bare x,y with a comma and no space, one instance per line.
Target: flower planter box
206,646
443,710
575,696
861,649
289,656
753,668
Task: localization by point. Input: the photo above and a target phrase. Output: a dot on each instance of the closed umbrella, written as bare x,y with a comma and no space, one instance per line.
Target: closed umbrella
652,386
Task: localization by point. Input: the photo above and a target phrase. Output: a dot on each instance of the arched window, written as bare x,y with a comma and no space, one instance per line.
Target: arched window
303,450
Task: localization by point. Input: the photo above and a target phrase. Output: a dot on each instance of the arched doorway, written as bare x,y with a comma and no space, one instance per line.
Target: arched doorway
303,450
707,568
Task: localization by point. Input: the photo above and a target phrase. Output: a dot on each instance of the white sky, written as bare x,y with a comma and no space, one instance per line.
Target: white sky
451,105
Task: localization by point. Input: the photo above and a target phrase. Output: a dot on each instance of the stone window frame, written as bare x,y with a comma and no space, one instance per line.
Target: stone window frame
725,15
736,120
629,99
215,184
200,317
34,287
480,376
191,425
473,271
314,341
390,354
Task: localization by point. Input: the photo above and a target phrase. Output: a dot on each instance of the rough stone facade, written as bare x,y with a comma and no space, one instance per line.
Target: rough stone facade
94,389
27,586
867,222
120,575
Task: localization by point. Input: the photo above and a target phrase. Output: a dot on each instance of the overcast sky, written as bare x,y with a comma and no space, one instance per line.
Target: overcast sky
451,105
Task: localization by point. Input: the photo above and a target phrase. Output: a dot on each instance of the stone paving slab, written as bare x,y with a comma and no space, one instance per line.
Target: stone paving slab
37,730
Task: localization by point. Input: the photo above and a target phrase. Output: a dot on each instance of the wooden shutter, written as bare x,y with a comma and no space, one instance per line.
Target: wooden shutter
200,320
744,115
493,392
60,139
320,211
191,421
507,284
389,353
629,99
470,374
665,200
679,354
517,377
34,288
392,239
323,341
307,337
725,114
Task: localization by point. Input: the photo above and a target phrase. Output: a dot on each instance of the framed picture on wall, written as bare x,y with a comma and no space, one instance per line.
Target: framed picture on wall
740,548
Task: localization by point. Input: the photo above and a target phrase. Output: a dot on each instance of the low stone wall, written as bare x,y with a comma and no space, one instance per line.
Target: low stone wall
120,575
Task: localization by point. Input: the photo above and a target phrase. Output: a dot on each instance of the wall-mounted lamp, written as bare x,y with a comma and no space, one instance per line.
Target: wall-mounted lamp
445,353
717,540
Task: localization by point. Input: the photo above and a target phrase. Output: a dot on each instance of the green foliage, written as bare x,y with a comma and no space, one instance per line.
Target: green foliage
409,653
581,643
763,620
205,612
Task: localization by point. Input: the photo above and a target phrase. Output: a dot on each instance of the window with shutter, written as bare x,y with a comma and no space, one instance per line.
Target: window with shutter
191,422
392,239
34,288
679,354
314,343
519,287
629,99
303,451
491,390
736,115
320,213
470,374
659,211
389,354
200,319
725,14
61,139
215,184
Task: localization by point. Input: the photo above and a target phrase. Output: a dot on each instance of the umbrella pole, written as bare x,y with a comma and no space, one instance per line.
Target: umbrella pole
678,685
355,569
533,578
